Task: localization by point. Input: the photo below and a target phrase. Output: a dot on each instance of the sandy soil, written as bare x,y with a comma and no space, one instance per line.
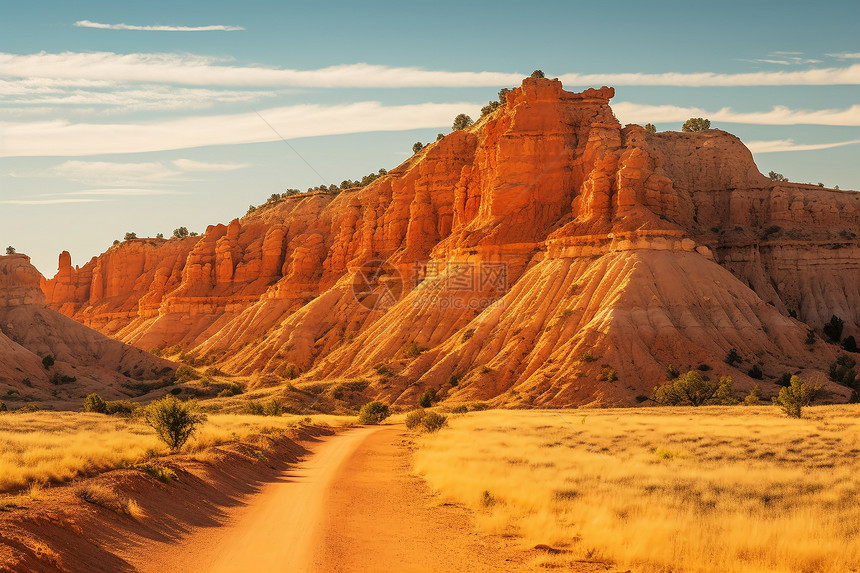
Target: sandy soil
351,506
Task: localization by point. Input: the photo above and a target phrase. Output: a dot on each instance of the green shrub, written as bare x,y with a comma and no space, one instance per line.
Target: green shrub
833,329
427,398
417,146
94,403
461,409
586,356
413,349
774,176
121,407
48,361
693,390
454,380
173,421
373,413
538,74
186,374
254,408
696,124
608,375
413,419
842,371
273,408
793,398
161,473
462,121
850,345
231,389
383,370
650,128
754,397
468,334
433,422
733,357
755,372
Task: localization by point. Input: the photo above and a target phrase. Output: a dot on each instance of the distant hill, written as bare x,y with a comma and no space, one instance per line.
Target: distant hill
49,357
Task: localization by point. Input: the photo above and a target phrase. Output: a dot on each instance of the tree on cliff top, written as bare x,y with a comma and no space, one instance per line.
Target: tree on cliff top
774,176
130,236
10,250
417,146
696,124
538,74
650,128
180,233
462,121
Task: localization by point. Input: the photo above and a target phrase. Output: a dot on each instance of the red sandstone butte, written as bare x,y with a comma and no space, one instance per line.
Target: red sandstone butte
642,249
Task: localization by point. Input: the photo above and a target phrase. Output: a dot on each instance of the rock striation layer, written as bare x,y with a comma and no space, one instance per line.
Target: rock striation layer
546,255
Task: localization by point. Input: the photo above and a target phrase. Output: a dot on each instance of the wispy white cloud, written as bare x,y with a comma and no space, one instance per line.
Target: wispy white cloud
62,138
188,69
100,26
46,201
785,59
846,56
124,96
128,175
191,165
124,192
849,75
778,145
628,112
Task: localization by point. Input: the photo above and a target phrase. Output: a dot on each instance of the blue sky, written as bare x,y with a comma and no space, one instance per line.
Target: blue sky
119,116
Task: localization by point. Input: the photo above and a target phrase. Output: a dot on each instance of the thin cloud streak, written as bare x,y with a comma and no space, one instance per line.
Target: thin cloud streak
628,112
185,69
61,138
780,145
100,26
47,201
127,192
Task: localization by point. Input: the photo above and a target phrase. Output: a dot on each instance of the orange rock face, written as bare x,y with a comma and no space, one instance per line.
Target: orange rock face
84,359
513,250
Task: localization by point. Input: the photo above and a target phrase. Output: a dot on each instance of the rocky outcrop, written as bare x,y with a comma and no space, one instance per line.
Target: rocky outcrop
499,258
81,360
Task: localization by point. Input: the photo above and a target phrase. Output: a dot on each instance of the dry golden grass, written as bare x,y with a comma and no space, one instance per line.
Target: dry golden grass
714,489
57,446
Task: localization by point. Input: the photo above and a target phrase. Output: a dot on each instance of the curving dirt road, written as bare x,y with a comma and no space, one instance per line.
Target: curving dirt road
350,506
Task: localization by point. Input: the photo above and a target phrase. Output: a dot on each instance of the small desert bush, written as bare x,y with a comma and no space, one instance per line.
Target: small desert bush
107,498
95,404
373,413
426,399
254,408
174,421
413,419
161,473
754,397
231,389
692,389
413,349
792,399
433,422
186,374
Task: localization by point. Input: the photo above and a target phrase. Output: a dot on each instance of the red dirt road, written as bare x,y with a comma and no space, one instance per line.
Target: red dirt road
350,506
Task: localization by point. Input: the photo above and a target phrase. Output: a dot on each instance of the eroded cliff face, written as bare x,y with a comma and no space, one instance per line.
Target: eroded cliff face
514,252
84,360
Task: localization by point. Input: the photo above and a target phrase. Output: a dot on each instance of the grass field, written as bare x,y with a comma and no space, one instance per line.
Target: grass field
712,489
58,446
